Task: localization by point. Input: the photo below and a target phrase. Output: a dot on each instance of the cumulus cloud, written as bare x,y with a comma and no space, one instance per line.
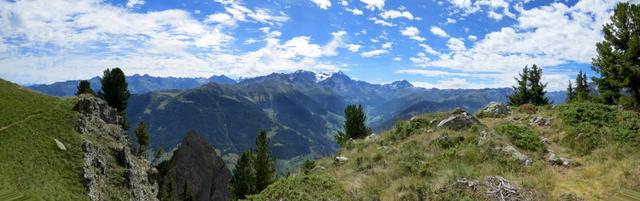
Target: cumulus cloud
393,14
134,3
381,22
373,4
472,37
374,53
353,47
492,7
413,33
438,32
456,45
355,11
323,4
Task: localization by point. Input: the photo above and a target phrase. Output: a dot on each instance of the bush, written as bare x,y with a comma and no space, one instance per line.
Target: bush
527,108
522,137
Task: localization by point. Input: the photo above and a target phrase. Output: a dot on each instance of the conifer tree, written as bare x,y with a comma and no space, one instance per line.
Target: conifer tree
186,193
114,89
536,87
354,122
142,134
570,93
243,182
582,88
521,92
84,87
264,165
617,55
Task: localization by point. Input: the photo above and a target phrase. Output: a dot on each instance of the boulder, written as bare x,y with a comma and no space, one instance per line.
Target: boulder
553,159
60,145
516,154
459,119
494,109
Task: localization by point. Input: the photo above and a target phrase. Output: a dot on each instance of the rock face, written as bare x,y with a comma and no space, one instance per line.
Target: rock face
196,165
458,119
111,170
494,109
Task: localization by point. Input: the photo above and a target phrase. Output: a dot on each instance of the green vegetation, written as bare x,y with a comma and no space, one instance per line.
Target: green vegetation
244,177
582,91
84,87
592,125
522,136
264,164
530,88
32,164
114,89
303,188
142,135
617,56
354,125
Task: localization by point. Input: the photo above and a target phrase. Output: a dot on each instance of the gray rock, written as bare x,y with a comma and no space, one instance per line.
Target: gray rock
104,141
341,159
458,120
494,109
60,145
539,121
484,137
553,159
516,154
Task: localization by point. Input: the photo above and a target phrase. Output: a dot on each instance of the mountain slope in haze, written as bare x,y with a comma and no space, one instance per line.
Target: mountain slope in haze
138,84
30,161
577,151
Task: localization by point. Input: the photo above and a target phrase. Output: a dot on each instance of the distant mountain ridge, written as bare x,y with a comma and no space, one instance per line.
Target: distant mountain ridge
138,84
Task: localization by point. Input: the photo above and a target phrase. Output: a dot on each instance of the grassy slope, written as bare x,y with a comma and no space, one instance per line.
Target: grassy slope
30,162
410,161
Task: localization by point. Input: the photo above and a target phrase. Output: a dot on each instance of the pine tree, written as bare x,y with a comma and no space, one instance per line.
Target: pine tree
536,87
521,92
582,88
165,192
186,193
84,87
571,95
114,89
617,55
142,134
243,181
264,165
354,119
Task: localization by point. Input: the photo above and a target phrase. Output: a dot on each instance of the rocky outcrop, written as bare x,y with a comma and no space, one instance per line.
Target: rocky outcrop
494,109
197,169
111,170
553,159
458,120
514,153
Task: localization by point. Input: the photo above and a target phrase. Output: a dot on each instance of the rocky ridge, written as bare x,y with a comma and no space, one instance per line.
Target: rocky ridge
111,169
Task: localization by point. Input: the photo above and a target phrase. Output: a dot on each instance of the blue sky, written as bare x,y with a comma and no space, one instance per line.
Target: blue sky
431,43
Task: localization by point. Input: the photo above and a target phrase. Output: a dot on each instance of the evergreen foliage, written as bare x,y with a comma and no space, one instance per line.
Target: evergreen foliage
114,89
307,166
84,87
244,177
186,193
354,119
571,94
142,134
264,164
617,55
530,89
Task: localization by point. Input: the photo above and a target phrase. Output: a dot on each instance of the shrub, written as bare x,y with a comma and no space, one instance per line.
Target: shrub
527,108
522,137
307,166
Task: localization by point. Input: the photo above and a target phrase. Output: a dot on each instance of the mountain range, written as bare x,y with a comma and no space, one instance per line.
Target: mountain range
301,110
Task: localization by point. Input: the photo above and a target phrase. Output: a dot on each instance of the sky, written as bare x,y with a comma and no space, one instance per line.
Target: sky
431,43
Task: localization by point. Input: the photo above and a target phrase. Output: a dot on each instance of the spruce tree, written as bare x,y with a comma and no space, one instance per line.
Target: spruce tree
114,89
570,93
264,165
354,122
521,92
142,134
243,181
536,87
84,87
617,55
582,88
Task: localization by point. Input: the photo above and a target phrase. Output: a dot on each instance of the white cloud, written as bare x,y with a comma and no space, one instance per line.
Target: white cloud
134,3
472,37
355,11
374,53
393,14
438,32
495,16
397,59
420,58
323,4
387,45
330,49
381,22
413,33
221,18
456,45
451,21
344,2
430,50
250,41
241,13
373,4
353,47
492,7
